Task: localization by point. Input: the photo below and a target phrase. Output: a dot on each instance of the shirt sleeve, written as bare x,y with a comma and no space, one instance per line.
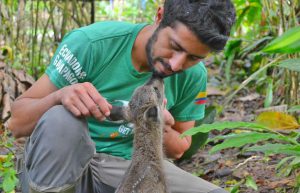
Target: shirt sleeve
70,61
191,105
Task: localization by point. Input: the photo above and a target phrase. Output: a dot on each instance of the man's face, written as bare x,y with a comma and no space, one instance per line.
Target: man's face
173,49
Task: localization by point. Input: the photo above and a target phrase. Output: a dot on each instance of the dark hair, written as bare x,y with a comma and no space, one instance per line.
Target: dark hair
209,20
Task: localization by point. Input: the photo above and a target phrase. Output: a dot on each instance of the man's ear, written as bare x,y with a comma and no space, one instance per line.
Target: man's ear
159,15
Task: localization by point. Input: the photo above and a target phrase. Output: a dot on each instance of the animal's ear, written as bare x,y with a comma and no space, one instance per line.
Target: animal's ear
119,113
151,114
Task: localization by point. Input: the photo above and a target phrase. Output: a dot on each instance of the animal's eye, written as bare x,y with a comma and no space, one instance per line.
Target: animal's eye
157,92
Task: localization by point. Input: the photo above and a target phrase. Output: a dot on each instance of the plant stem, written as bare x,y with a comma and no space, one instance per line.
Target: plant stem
43,36
245,82
282,16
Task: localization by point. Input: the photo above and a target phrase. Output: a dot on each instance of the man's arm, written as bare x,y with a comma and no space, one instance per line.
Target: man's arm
174,145
81,99
31,105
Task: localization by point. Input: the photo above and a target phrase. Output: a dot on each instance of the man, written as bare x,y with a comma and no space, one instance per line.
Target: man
72,147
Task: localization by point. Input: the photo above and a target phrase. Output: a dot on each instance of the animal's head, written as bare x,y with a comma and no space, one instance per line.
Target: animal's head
146,103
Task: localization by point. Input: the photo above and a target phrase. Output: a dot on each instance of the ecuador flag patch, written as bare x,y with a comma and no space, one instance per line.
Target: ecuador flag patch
201,98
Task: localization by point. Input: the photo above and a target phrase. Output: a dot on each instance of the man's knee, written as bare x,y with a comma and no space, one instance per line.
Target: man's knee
58,151
58,124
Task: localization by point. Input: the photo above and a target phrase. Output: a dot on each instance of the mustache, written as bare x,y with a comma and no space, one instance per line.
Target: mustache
166,66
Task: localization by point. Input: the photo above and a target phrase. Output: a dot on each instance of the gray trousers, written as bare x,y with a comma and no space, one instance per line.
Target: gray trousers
60,156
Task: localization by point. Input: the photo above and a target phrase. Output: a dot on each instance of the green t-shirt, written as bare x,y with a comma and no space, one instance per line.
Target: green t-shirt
101,54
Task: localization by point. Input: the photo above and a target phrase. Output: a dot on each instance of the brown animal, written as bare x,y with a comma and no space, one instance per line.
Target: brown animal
145,174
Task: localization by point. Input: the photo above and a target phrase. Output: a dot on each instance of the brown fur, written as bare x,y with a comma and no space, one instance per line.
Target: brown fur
145,174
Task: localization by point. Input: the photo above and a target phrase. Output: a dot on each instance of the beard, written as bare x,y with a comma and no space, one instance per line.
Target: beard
153,60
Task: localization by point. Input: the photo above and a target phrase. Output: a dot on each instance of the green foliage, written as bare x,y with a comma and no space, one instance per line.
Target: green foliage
135,11
269,93
248,16
231,49
235,188
269,148
248,182
252,61
238,140
8,176
199,139
294,109
288,43
273,143
7,173
33,29
291,64
251,183
223,125
287,165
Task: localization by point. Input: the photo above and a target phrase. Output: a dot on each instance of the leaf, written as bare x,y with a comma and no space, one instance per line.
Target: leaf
269,93
288,43
241,17
232,46
229,64
7,164
254,45
294,108
254,14
291,64
236,187
210,114
277,148
283,161
295,162
238,140
200,139
277,120
284,168
251,183
223,125
9,184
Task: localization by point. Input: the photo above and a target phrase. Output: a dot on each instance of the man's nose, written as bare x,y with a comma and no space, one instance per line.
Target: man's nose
177,61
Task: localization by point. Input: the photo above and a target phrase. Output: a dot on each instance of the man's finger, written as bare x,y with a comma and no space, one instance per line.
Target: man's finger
102,103
169,120
93,108
74,110
79,104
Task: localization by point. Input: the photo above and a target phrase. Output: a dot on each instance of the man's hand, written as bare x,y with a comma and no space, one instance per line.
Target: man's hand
174,145
83,99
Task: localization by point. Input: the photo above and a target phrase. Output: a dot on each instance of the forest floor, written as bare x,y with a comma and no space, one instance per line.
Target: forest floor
232,166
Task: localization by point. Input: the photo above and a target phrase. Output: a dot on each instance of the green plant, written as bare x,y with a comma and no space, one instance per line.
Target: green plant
199,139
8,177
274,142
7,173
248,181
288,43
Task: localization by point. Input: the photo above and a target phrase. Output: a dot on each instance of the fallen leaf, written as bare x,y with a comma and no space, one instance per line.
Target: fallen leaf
281,183
277,120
